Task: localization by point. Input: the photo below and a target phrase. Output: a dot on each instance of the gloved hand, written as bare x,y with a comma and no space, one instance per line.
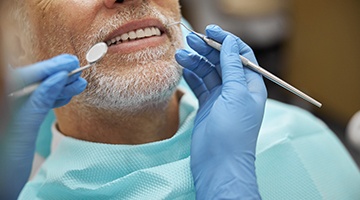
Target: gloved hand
232,100
18,144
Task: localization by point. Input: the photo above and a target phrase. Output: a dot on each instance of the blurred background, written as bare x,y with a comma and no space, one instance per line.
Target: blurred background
313,45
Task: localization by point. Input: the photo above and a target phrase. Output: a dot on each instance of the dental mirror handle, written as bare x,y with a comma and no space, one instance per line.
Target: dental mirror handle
31,88
80,69
25,91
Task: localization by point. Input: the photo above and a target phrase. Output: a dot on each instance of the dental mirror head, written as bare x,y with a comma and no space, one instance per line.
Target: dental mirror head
96,52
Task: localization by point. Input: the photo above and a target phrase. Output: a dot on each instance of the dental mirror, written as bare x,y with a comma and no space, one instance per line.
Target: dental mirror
95,53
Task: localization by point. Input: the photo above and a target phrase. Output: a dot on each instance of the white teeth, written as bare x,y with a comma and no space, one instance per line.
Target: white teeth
148,32
153,31
158,32
137,34
132,35
140,33
124,37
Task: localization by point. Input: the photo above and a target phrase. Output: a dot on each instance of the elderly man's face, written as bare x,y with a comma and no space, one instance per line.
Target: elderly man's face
139,67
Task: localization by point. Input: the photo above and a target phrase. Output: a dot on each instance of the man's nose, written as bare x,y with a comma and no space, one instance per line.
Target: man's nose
112,3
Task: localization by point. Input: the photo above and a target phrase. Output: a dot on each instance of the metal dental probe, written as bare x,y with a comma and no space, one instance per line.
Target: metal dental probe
95,53
255,67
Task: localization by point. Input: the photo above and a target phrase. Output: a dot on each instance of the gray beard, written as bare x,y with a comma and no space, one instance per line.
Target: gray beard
150,83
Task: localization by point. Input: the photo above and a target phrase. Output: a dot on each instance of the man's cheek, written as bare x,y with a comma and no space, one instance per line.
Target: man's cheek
170,5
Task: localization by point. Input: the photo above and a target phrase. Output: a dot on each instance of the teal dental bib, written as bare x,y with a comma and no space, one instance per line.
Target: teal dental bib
298,157
86,170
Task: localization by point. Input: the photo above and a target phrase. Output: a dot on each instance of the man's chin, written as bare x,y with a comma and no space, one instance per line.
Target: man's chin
146,87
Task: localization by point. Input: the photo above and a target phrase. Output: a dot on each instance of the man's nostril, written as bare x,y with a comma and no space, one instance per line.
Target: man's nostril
119,1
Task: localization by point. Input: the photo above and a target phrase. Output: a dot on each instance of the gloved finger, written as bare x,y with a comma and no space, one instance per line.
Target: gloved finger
216,33
73,78
234,80
41,70
61,102
200,66
73,89
203,49
196,85
44,97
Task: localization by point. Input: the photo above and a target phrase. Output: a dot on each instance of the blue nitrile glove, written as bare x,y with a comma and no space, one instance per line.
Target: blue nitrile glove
232,100
18,145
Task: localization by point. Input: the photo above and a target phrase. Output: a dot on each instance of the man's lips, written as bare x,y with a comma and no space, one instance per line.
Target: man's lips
136,35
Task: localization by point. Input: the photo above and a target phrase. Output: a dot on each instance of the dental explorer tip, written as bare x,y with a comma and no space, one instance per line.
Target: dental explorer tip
172,24
187,28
